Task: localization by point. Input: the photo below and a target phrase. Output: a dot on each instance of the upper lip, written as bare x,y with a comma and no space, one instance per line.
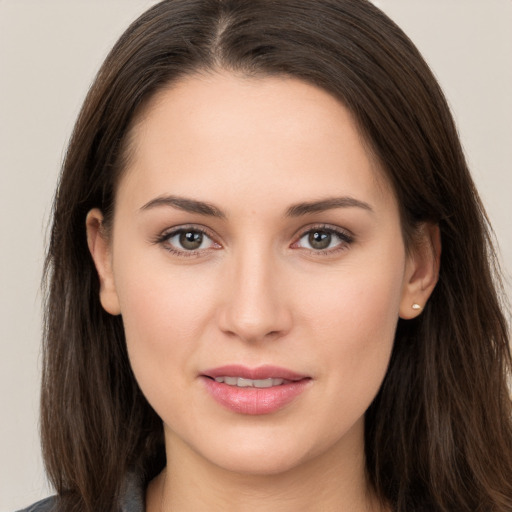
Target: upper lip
261,372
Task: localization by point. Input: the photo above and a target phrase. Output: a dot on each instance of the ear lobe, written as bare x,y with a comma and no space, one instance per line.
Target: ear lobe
99,248
422,271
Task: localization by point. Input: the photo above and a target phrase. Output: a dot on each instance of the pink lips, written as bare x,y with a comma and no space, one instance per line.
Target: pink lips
252,400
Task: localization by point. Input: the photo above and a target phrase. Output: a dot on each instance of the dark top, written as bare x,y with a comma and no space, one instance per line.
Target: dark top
131,500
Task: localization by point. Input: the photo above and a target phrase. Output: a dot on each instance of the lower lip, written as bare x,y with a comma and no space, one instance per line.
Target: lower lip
254,401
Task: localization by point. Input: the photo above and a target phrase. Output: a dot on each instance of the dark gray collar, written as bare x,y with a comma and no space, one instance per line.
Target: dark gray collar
133,494
132,497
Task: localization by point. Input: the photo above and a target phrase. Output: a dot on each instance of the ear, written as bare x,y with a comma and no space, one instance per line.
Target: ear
422,270
100,250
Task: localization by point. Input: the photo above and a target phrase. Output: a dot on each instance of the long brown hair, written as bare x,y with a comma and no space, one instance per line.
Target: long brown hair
439,433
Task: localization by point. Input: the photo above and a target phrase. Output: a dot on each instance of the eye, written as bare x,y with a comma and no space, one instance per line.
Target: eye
187,240
324,239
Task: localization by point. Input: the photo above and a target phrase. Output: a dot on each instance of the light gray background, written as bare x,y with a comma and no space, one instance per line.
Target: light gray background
49,53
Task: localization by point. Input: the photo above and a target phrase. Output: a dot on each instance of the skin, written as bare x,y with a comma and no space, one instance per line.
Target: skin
257,291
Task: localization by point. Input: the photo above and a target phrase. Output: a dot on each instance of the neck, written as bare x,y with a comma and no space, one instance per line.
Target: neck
334,481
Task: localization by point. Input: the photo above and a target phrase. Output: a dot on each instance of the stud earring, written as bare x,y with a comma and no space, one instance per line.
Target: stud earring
416,307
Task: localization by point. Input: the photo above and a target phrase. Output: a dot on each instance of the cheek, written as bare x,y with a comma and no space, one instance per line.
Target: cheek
358,298
354,321
164,314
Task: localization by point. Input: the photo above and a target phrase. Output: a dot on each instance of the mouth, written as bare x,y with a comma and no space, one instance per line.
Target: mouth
255,391
240,382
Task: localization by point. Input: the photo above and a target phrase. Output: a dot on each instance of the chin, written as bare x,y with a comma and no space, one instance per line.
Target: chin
261,463
271,454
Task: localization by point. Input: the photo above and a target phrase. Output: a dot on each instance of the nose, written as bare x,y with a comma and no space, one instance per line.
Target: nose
255,306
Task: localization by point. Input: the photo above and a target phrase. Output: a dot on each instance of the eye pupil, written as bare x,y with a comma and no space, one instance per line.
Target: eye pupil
191,240
320,239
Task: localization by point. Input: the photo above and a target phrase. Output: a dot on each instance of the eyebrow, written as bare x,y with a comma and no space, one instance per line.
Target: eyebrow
300,209
296,210
187,205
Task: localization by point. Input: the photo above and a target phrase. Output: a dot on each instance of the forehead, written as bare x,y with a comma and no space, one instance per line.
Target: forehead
212,130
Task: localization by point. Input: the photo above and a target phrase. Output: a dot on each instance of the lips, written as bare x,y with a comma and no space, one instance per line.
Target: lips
254,391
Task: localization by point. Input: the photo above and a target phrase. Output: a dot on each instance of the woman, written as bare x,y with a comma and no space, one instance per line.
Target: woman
270,279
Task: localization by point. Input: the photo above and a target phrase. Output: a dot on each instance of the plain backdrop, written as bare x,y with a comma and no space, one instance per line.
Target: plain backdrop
49,53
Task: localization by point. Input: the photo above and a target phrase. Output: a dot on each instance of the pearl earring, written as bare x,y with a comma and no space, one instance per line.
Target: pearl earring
416,307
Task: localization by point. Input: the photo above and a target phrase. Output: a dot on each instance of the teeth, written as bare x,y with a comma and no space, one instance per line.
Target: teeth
249,383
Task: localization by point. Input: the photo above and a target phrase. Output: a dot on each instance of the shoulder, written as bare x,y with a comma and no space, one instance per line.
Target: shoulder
131,500
46,505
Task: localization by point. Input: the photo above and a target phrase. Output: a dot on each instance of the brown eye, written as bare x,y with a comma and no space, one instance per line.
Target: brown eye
191,240
324,239
319,239
187,240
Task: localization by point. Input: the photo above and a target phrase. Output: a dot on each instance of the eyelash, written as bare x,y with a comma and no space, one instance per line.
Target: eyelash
345,240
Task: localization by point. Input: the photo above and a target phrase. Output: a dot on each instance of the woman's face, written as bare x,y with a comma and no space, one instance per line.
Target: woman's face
257,260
